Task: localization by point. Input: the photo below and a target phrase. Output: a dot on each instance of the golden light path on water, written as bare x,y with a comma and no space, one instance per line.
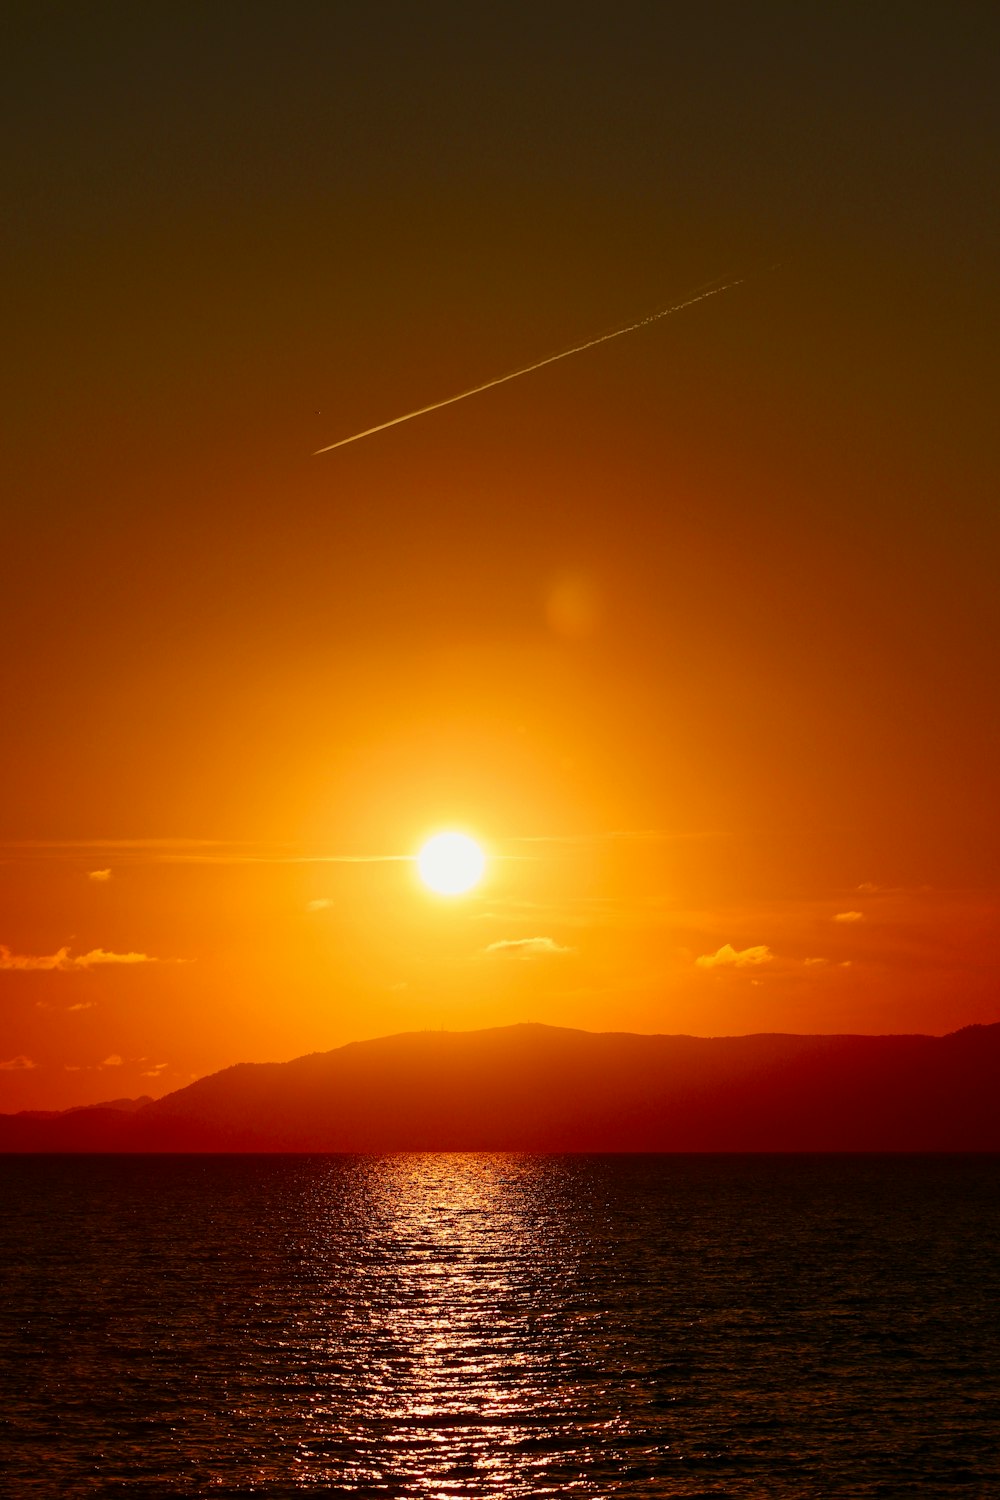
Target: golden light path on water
446,1343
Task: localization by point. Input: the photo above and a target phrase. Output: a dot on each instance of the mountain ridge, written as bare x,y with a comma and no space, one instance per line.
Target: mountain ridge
535,1087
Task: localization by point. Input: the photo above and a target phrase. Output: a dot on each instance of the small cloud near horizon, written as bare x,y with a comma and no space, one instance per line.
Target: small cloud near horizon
728,957
19,1064
320,904
112,1061
64,962
99,875
849,916
533,947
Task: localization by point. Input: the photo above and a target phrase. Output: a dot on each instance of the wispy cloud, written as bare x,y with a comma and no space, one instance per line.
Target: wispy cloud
849,916
728,957
320,904
549,359
533,947
19,1064
64,962
77,844
183,851
620,835
114,1061
223,852
235,858
101,956
153,848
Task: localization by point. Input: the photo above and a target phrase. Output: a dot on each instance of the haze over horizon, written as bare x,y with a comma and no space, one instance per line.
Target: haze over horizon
692,636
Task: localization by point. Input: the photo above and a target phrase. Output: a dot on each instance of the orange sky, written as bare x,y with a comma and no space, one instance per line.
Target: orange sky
695,631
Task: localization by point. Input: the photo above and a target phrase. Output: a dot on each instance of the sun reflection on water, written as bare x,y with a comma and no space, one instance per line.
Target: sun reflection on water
447,1371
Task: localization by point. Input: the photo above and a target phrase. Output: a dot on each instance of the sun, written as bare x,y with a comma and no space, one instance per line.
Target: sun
451,863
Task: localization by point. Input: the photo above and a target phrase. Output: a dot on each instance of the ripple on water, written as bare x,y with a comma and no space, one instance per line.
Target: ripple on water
477,1325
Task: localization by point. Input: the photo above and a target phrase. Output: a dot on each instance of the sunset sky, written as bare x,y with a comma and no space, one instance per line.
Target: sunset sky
695,632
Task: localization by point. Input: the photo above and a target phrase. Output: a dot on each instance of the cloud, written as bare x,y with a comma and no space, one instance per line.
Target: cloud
114,1061
727,957
18,1064
60,960
534,947
630,835
849,916
320,904
550,359
64,961
99,875
101,956
811,962
156,1070
184,851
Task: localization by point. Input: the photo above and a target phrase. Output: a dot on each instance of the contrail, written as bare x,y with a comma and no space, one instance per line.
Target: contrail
549,360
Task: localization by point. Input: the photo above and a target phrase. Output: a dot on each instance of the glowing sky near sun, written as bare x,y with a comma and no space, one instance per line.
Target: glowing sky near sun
693,634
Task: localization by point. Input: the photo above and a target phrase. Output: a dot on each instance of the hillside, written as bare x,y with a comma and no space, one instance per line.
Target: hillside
540,1088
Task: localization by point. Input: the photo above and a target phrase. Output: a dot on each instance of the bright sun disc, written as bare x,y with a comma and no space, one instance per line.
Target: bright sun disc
451,863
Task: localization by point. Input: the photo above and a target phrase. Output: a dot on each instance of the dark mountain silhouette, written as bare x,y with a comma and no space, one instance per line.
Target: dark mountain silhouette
85,1127
128,1105
543,1088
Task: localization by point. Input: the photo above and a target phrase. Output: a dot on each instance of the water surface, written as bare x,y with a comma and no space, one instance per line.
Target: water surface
478,1325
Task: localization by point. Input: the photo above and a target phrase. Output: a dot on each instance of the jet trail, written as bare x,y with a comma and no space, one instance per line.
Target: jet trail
549,360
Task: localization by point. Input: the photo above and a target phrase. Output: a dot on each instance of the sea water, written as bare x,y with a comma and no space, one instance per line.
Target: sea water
490,1325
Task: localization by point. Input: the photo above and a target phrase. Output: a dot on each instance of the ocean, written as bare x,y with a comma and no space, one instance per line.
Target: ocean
455,1326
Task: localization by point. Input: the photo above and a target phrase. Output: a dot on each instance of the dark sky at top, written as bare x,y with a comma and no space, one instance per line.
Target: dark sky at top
223,219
